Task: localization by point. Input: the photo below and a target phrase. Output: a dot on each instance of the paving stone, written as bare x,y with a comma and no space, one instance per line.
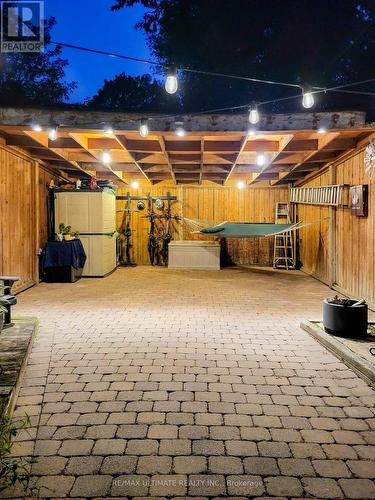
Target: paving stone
307,450
207,447
109,447
129,431
53,486
358,488
300,467
119,464
162,431
154,465
84,465
151,417
192,432
339,451
362,468
331,468
320,487
264,466
240,448
225,465
45,466
168,485
270,449
189,465
76,447
283,486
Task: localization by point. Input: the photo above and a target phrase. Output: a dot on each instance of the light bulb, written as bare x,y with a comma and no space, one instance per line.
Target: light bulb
254,115
134,185
261,159
180,131
52,134
171,83
241,185
251,132
108,130
322,130
307,99
143,128
36,127
106,157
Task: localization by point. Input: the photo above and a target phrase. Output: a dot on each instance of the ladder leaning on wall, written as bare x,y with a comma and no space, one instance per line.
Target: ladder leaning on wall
283,251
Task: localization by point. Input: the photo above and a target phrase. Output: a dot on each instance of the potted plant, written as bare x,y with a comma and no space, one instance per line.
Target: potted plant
66,232
345,317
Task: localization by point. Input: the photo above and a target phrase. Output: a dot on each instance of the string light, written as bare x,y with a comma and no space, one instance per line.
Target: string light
254,114
179,130
134,184
261,159
307,98
108,130
143,127
322,130
251,132
171,83
36,127
52,133
106,157
241,185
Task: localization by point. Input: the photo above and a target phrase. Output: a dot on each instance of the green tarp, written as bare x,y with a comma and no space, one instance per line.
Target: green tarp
246,229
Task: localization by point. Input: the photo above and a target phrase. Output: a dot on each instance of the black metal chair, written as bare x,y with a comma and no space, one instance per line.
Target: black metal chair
7,299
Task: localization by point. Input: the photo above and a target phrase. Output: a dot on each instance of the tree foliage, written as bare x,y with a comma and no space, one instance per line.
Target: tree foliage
321,43
34,78
131,94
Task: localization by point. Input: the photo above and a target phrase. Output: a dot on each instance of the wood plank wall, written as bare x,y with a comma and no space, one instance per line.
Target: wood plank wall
354,246
23,216
215,204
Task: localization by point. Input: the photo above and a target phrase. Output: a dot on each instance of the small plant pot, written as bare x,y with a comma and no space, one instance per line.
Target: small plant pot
345,320
67,237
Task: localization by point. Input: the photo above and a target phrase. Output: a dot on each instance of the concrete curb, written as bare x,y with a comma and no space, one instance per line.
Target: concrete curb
361,366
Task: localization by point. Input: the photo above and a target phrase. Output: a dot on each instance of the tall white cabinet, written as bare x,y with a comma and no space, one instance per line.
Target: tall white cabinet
93,214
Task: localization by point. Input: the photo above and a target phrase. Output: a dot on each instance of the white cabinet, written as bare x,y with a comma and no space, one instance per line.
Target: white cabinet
93,215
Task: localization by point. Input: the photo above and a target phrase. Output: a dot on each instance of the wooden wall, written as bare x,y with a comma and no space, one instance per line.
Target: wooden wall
215,204
23,215
346,258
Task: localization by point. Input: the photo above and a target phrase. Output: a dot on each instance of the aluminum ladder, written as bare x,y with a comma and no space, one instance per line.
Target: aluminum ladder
283,250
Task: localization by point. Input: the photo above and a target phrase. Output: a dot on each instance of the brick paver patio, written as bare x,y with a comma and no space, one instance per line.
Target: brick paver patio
159,383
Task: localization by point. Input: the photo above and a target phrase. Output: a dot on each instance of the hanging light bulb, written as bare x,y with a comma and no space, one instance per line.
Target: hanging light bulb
134,185
52,133
261,159
143,128
108,130
180,131
171,83
307,98
106,157
36,127
241,185
254,114
322,130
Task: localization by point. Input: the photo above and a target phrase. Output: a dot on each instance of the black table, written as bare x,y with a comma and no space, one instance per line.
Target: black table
63,261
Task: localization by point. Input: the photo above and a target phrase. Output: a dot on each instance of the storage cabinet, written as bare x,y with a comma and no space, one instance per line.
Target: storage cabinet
93,214
194,255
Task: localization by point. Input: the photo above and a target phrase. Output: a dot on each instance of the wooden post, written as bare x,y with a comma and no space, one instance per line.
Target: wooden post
332,233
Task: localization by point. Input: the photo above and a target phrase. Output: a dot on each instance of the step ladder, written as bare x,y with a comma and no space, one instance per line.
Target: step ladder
283,251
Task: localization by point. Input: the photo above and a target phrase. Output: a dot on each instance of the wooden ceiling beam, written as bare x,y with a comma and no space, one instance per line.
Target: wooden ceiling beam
123,143
166,156
102,143
242,146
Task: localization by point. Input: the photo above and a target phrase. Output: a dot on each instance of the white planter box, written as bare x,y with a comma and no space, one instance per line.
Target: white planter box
194,255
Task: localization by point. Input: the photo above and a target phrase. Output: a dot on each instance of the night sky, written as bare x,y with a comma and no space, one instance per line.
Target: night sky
91,23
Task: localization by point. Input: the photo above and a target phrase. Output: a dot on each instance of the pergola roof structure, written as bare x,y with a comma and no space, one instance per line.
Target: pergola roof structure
214,148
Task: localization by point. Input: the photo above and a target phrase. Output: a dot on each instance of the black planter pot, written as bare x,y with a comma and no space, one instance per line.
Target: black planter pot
2,317
345,321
